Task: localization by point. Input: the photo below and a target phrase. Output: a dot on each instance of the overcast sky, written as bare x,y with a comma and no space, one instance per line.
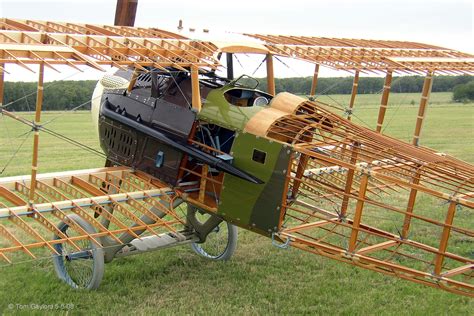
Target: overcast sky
447,23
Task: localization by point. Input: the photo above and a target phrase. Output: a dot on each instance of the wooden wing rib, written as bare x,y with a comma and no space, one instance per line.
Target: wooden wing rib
370,55
85,29
52,43
120,195
123,46
364,198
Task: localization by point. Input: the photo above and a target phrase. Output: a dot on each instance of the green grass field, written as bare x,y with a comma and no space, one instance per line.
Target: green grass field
260,278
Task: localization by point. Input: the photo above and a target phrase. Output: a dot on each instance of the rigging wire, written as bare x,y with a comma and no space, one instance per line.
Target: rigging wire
397,107
66,138
324,92
329,88
70,110
9,138
72,141
78,143
238,60
287,66
26,99
181,91
47,86
260,65
15,153
398,80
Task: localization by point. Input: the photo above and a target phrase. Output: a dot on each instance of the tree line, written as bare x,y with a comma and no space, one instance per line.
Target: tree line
464,92
58,95
64,95
367,85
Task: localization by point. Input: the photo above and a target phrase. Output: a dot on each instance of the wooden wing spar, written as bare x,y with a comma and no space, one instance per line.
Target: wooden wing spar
344,191
121,46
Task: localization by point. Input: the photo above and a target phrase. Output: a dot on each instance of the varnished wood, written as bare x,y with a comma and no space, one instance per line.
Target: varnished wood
196,92
2,82
270,75
86,186
75,44
261,122
376,247
349,180
355,86
314,82
321,218
39,105
358,213
425,96
133,80
11,197
411,204
445,238
125,12
287,102
384,103
203,183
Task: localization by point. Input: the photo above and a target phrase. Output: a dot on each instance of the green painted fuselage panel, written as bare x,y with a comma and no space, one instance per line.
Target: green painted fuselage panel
217,110
252,206
255,206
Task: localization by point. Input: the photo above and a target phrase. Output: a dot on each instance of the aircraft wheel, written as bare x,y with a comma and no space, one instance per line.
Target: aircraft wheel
82,269
220,243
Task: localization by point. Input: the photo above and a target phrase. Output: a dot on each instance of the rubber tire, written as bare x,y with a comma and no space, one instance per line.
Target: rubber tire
98,257
232,236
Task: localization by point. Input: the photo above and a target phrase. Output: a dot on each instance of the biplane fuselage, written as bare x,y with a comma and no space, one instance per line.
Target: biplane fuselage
220,129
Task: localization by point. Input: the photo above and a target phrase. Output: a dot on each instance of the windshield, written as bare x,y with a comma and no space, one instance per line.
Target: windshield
245,81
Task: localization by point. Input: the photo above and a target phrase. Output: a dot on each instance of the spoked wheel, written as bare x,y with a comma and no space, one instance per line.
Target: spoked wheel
81,269
221,241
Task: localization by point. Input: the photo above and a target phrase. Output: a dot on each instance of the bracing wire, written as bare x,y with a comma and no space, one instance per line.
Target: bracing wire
260,65
72,141
13,156
396,108
26,99
10,141
64,137
377,93
287,66
238,60
69,111
46,86
181,91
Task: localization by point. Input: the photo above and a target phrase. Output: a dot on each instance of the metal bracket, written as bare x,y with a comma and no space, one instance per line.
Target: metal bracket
285,245
35,127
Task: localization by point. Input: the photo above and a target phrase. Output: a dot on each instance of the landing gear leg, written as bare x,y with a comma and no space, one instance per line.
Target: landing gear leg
218,237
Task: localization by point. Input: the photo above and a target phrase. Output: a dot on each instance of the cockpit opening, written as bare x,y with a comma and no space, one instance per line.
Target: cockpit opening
245,97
